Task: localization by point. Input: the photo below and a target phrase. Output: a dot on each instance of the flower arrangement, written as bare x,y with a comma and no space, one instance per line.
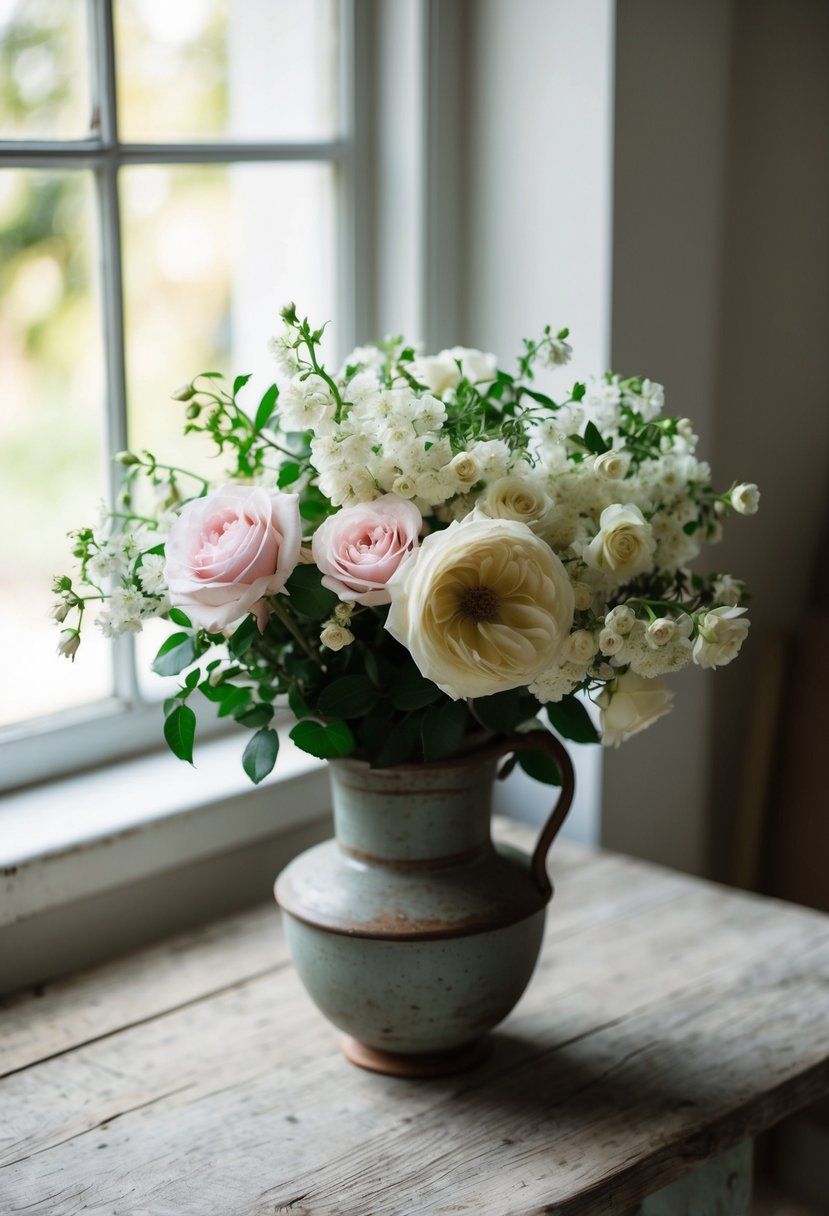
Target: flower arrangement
414,548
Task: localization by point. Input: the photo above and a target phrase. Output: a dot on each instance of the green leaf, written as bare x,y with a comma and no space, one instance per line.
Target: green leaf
327,740
541,398
307,594
298,705
259,715
265,408
569,718
179,618
191,680
347,697
243,637
578,391
233,700
540,766
239,382
176,653
180,732
411,690
259,756
501,712
288,474
314,507
593,440
443,729
399,743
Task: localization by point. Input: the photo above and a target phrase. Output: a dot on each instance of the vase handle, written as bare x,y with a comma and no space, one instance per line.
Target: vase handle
542,740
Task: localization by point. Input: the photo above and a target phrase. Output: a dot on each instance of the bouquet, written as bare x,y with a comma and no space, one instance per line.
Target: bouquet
415,548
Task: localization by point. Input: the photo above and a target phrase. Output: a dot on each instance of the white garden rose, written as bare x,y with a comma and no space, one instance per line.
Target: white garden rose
620,619
483,606
630,704
624,544
335,636
611,465
443,371
518,498
720,634
661,631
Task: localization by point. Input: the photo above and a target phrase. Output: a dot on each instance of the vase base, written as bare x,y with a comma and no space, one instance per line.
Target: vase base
415,1064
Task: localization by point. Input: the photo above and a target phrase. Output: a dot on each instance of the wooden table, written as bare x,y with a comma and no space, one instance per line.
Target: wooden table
669,1021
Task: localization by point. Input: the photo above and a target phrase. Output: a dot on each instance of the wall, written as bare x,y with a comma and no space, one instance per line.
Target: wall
536,157
721,290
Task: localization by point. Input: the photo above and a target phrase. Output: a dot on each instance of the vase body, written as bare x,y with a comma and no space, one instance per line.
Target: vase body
411,930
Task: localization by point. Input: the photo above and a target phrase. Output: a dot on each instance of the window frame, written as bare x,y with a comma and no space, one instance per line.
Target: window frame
126,723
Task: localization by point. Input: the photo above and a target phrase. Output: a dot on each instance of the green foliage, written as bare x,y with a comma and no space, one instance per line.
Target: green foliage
175,653
308,597
348,697
260,755
539,765
569,718
327,740
180,732
443,729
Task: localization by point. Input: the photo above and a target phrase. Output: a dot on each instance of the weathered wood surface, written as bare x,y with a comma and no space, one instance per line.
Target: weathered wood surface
668,1020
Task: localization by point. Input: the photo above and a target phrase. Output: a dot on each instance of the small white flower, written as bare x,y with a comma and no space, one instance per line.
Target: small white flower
404,486
719,636
335,636
282,350
620,619
583,596
745,498
630,704
727,590
558,352
69,642
151,573
610,642
465,469
59,611
661,631
579,647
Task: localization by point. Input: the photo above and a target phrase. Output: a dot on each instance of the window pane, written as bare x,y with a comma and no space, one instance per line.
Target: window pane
52,469
44,77
211,256
227,69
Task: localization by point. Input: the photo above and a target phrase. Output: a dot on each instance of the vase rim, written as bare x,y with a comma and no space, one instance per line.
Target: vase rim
486,745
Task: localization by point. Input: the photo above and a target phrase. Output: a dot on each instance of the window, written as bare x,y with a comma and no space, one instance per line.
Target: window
170,174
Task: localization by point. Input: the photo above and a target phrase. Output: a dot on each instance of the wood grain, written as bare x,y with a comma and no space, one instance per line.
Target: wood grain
668,1020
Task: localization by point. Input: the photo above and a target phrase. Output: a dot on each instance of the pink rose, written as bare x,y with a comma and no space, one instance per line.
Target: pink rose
230,550
359,548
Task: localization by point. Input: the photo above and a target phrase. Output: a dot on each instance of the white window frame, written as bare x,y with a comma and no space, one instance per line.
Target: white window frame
127,722
73,839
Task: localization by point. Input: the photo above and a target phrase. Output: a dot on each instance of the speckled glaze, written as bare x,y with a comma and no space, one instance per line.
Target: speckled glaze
411,931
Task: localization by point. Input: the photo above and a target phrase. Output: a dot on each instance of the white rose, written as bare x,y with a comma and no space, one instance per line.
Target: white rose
483,606
441,372
583,594
579,647
465,469
745,498
518,498
624,544
610,642
620,619
611,465
630,704
336,636
661,631
719,636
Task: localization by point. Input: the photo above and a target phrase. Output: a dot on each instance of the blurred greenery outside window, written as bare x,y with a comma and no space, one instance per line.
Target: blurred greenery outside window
181,161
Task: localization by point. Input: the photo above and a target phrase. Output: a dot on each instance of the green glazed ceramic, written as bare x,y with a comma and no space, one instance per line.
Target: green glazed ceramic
411,930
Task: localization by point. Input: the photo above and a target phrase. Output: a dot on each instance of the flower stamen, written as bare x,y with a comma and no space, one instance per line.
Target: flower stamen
479,604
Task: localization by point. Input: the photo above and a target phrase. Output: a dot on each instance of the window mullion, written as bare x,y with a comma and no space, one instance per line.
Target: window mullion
105,119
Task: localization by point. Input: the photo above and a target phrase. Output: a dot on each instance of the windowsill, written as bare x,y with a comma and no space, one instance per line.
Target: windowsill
87,834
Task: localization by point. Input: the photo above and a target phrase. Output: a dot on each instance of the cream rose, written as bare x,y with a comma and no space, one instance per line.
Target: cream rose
580,647
719,636
482,606
359,548
440,372
745,498
230,550
624,544
518,498
630,704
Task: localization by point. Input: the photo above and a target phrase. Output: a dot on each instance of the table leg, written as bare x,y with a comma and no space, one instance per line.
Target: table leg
719,1187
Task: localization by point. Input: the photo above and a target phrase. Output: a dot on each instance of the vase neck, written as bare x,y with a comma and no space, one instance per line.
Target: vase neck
413,813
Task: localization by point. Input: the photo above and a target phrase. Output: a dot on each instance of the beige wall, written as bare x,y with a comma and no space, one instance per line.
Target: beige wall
720,274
